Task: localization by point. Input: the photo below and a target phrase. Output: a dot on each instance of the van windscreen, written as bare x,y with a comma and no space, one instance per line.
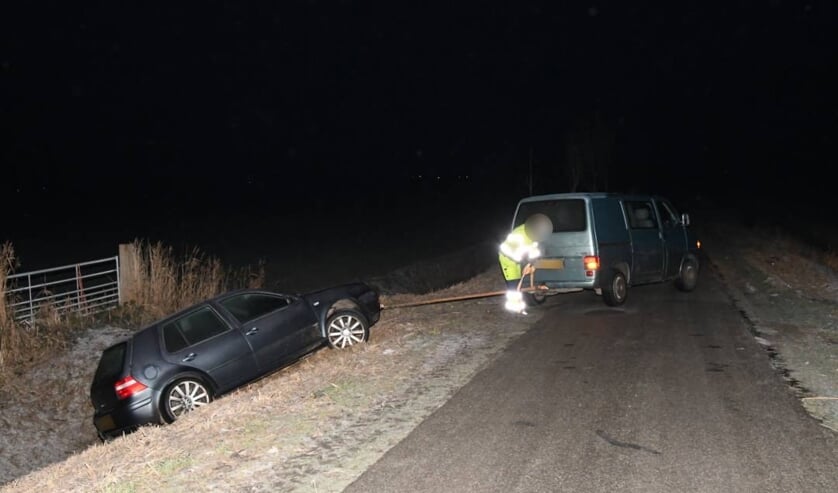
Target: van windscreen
567,214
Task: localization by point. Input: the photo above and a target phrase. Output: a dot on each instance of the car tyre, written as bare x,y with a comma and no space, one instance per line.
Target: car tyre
346,328
688,278
615,289
183,396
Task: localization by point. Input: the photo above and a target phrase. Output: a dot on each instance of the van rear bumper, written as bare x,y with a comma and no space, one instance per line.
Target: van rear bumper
571,285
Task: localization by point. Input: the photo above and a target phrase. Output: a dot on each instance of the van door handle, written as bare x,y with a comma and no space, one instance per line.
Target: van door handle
189,357
252,331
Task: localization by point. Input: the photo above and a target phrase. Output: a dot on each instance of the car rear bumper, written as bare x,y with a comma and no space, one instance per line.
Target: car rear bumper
126,417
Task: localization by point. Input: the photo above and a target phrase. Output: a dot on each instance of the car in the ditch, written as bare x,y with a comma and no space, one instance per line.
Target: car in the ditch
184,361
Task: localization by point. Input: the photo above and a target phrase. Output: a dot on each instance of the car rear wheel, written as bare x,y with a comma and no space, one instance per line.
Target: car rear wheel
345,328
615,290
184,396
688,279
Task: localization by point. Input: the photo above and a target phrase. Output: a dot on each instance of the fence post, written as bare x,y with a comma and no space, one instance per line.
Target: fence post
31,305
128,272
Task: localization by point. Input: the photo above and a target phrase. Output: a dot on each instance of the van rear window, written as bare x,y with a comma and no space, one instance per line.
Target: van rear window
567,214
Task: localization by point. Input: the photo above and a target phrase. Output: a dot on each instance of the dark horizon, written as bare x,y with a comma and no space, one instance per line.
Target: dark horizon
115,118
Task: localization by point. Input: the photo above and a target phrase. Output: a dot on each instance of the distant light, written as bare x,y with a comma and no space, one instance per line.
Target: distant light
438,178
593,11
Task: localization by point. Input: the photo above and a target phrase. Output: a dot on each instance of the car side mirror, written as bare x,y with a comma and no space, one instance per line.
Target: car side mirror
685,219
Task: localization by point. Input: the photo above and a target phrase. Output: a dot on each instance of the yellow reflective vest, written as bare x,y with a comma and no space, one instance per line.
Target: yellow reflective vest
512,252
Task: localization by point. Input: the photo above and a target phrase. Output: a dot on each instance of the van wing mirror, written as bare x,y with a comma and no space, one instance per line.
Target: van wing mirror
685,219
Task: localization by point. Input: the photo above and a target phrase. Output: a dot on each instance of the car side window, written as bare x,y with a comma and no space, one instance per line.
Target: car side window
191,329
250,306
641,215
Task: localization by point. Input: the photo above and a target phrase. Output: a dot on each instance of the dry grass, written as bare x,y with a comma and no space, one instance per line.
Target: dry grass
162,282
25,344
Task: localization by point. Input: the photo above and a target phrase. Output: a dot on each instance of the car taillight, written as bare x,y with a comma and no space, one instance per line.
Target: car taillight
127,387
591,262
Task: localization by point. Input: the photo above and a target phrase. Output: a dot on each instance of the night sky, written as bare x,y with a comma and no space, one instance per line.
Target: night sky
252,104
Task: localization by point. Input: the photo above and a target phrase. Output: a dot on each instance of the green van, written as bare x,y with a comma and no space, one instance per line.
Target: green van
610,242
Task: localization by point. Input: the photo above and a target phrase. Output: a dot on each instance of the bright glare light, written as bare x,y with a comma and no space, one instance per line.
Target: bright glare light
515,302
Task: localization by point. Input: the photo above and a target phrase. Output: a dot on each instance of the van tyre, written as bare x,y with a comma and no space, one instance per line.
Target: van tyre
688,278
615,289
535,299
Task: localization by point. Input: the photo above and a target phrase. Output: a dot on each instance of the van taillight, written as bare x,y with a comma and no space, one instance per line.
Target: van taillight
127,387
591,263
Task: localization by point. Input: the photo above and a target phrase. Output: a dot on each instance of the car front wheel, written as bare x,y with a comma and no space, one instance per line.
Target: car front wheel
615,289
184,396
345,328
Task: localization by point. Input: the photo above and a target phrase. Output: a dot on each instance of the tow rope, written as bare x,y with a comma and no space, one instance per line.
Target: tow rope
452,299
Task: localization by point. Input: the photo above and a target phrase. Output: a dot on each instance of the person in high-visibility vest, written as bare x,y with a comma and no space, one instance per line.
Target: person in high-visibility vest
516,252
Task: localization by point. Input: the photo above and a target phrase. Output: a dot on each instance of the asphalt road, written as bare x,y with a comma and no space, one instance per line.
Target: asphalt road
669,394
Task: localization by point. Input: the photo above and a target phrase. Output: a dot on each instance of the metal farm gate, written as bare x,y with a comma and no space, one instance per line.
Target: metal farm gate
85,288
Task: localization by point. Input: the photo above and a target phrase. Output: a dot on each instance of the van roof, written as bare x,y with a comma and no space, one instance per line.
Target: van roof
588,195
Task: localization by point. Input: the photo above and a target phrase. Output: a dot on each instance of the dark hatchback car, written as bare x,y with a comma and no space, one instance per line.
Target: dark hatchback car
184,361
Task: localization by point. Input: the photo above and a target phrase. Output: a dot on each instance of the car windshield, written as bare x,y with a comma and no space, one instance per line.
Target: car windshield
567,214
111,363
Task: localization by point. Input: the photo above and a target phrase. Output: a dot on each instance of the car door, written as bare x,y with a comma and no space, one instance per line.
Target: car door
647,241
675,242
278,328
202,340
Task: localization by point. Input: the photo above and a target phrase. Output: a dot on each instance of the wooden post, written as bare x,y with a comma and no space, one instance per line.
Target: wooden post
129,272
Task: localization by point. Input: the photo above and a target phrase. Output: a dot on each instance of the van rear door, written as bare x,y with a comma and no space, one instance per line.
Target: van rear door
563,252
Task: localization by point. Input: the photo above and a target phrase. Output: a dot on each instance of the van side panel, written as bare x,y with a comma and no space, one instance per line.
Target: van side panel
612,235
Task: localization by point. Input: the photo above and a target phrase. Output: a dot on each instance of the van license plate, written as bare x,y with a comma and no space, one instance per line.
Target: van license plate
549,263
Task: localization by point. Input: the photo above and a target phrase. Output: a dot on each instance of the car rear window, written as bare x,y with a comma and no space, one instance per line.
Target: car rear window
111,363
567,214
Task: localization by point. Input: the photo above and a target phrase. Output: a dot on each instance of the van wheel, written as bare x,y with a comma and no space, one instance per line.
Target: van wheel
535,299
615,290
688,279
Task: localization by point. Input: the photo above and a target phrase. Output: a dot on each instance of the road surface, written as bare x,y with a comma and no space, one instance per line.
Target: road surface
669,394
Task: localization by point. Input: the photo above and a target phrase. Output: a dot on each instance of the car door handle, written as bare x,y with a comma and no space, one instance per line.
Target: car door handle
189,357
252,331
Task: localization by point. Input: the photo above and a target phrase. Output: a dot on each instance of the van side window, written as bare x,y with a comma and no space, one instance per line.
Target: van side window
641,215
668,215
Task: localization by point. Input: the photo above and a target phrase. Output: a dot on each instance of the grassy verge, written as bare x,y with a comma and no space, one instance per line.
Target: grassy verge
314,426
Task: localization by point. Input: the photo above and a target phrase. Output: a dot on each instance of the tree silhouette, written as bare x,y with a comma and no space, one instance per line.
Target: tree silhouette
589,153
